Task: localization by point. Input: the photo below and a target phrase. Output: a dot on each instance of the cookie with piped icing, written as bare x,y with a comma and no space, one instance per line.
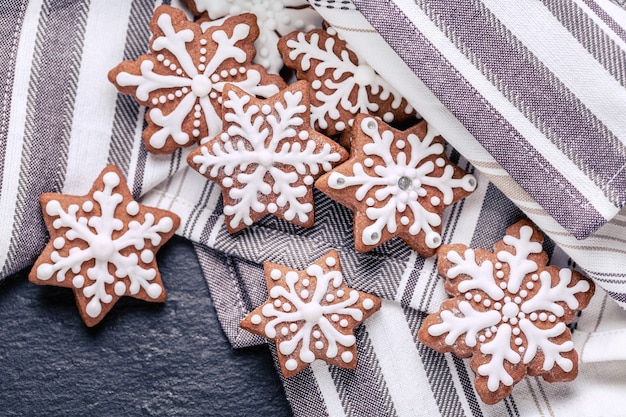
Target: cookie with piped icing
311,314
397,183
267,157
342,83
182,78
103,245
509,312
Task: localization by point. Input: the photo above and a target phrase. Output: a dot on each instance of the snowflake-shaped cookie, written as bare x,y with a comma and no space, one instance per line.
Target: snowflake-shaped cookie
509,312
274,17
342,84
267,158
102,246
311,314
182,78
397,183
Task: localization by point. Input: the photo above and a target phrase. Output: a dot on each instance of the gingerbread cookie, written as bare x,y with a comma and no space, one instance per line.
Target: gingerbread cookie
102,246
397,183
342,84
182,78
311,314
275,19
509,312
267,157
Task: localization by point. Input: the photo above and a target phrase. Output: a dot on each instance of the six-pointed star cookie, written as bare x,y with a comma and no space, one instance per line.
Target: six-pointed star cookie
102,246
509,312
397,183
182,78
342,84
311,314
267,157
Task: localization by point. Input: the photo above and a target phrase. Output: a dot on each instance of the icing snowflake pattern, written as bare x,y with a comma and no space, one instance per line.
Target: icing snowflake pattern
274,17
510,312
343,84
181,80
311,314
89,237
267,158
402,194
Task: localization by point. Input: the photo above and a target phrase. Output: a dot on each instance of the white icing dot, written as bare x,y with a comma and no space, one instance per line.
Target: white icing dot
195,132
203,41
276,274
518,341
440,162
155,101
203,50
272,207
343,323
503,285
256,319
166,62
514,320
242,70
347,357
88,206
330,298
482,338
179,71
388,117
162,99
277,303
291,364
487,302
497,306
316,334
435,201
293,327
224,74
201,67
196,123
422,192
404,220
498,265
334,317
535,277
215,78
543,317
368,162
340,126
316,84
266,109
368,304
370,201
78,281
521,349
468,295
308,180
552,318
523,293
132,208
58,243
533,316
400,144
119,288
340,293
304,294
284,331
518,300
521,315
494,329
477,298
488,333
516,331
530,285
213,94
160,57
319,344
227,182
146,256
233,71
500,274
305,282
304,135
287,307
330,261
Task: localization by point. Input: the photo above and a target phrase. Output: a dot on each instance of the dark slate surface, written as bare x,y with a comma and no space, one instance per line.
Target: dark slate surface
143,359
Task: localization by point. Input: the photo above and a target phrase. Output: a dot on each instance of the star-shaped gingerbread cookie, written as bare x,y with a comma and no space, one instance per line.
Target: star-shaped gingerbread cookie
509,312
397,183
102,246
267,158
342,84
311,314
182,78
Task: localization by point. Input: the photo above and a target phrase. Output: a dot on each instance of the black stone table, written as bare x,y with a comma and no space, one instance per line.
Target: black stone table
143,359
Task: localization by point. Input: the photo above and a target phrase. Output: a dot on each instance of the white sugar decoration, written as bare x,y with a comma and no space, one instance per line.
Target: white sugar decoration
347,77
196,82
103,249
275,18
515,315
266,156
316,314
397,182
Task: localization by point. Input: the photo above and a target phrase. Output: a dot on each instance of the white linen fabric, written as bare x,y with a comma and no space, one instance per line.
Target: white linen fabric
62,122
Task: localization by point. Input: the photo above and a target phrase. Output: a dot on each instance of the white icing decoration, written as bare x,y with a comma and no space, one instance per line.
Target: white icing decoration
397,184
97,232
274,17
195,83
513,314
277,164
347,77
310,317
